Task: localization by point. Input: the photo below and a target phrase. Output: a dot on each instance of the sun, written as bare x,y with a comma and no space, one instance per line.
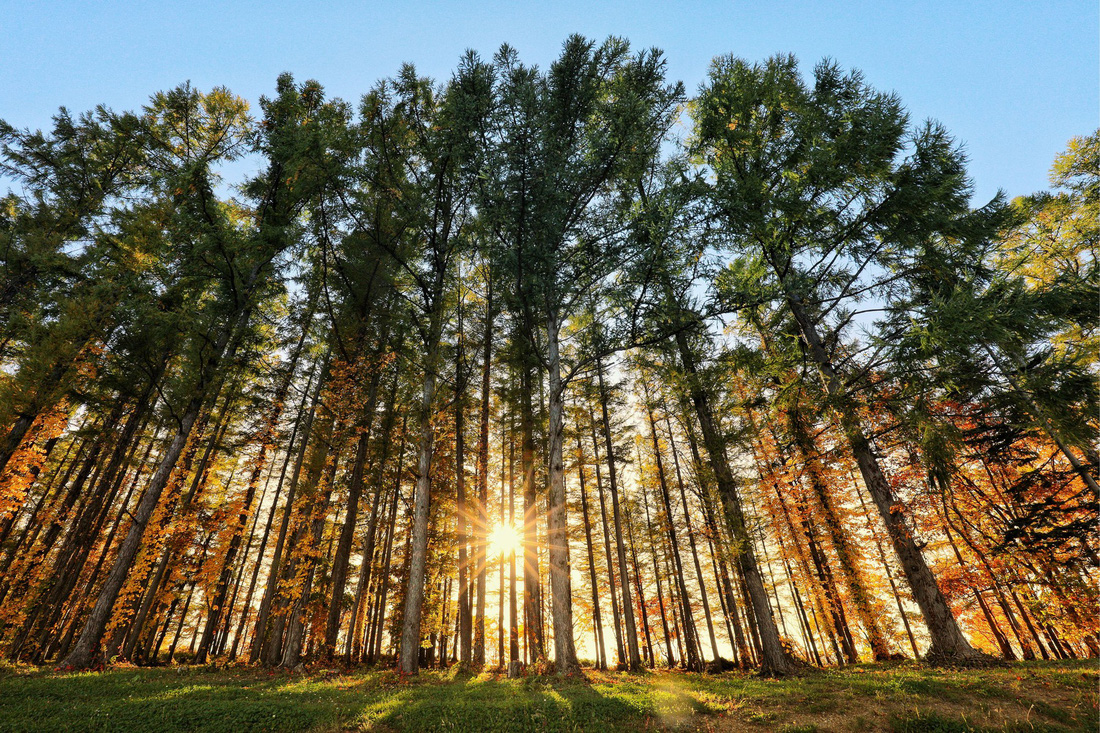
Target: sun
503,539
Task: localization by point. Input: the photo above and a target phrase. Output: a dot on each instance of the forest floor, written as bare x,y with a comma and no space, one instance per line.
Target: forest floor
1033,696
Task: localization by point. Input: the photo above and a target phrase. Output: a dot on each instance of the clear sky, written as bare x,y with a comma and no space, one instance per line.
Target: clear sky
1012,80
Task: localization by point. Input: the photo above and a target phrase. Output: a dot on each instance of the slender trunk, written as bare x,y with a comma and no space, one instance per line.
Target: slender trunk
601,651
669,659
226,628
694,556
889,573
374,641
317,512
500,560
948,641
418,557
513,611
998,635
532,600
561,593
692,661
846,555
715,538
995,584
465,635
298,420
641,593
262,631
634,659
84,651
612,587
803,619
481,525
355,491
773,659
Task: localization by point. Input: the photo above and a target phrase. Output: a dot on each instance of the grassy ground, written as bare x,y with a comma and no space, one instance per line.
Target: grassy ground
904,697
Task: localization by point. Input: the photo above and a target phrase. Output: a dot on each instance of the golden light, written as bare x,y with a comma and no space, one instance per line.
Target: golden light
504,538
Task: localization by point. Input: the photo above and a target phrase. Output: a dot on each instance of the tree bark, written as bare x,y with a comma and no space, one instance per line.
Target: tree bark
561,593
601,651
773,660
948,642
634,661
845,553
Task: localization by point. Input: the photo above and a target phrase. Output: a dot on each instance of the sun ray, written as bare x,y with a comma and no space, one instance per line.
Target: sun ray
503,539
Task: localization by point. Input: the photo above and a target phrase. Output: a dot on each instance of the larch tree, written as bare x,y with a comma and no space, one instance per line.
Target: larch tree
822,189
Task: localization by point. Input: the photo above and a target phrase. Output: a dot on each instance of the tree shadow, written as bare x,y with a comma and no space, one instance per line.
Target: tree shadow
238,701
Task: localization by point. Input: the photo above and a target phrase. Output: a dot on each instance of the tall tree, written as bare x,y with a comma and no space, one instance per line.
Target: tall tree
565,139
822,190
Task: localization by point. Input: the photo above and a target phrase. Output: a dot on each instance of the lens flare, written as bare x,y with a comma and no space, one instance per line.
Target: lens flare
503,539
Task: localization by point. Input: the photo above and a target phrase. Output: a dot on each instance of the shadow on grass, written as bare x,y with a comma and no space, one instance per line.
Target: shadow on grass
166,700
235,702
240,700
534,704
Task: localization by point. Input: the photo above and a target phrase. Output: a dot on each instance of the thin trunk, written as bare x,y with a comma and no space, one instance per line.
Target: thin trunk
262,631
695,557
355,491
561,593
532,600
948,641
601,651
773,659
641,593
669,658
846,554
692,661
481,525
634,659
998,635
513,611
418,557
616,619
374,641
298,420
84,651
889,573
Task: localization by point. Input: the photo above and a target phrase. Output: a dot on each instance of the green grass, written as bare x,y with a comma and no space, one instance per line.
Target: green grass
900,697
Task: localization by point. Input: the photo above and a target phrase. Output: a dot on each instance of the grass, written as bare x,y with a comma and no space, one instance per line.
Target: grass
906,698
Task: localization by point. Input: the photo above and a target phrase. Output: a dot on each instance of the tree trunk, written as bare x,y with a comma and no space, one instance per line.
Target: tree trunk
298,420
561,593
513,610
845,553
83,653
616,618
481,525
773,659
532,599
695,558
601,651
262,631
692,662
889,573
355,491
948,642
669,658
634,659
414,589
641,592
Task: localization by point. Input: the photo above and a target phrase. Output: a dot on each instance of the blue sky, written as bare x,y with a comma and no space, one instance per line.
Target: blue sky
1011,80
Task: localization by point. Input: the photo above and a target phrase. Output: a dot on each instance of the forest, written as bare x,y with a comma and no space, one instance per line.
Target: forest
542,370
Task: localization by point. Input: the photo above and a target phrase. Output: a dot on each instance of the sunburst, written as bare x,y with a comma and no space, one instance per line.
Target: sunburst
503,539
